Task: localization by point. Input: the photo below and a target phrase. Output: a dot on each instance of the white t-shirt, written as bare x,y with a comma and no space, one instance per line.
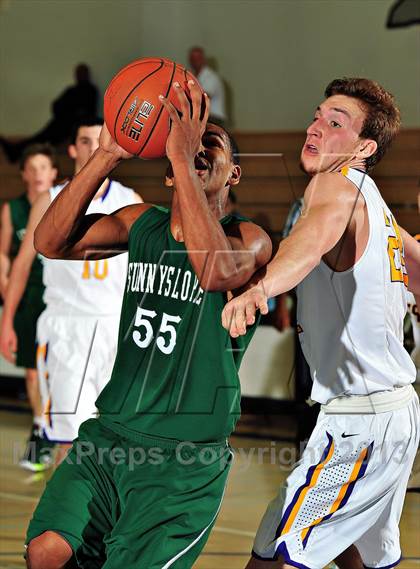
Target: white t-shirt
213,86
89,287
351,322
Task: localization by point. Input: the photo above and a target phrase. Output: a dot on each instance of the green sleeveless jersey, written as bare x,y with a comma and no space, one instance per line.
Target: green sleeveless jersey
176,369
19,212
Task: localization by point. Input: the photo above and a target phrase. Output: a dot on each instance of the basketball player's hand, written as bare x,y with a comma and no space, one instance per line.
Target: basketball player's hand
240,311
8,342
184,140
108,144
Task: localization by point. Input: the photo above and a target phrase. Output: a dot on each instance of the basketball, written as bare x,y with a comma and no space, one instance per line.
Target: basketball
133,113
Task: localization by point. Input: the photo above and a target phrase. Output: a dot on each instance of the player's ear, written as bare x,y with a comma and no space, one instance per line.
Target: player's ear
235,176
169,182
367,148
72,151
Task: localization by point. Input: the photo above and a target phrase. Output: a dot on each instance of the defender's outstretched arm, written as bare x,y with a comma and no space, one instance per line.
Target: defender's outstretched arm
326,216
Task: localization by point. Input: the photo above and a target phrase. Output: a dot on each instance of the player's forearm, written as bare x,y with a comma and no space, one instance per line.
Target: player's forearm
16,287
59,228
4,266
289,267
208,248
4,274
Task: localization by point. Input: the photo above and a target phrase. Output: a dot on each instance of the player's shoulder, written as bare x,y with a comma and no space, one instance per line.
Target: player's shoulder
330,179
325,186
6,214
17,200
245,225
133,214
251,234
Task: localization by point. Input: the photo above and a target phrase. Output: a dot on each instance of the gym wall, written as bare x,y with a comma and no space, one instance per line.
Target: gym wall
276,74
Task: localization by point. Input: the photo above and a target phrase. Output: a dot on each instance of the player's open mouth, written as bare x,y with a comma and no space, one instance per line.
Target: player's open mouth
201,165
311,149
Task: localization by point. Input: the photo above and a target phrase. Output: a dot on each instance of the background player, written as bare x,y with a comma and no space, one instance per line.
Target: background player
175,376
77,332
39,171
347,255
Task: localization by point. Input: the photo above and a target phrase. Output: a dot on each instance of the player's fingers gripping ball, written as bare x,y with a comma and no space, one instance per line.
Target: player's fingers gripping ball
134,114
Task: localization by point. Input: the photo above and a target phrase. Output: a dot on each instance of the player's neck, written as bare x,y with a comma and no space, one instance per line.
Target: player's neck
217,206
32,194
356,163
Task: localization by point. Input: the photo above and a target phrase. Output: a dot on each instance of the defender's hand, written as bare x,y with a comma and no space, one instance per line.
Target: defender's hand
108,144
240,311
8,342
184,140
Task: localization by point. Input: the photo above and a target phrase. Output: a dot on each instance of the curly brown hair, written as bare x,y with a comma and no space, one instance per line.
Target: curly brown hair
382,121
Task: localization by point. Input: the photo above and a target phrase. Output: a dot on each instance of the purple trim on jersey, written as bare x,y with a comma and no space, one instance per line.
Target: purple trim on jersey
300,490
281,550
359,476
106,192
384,566
305,541
347,494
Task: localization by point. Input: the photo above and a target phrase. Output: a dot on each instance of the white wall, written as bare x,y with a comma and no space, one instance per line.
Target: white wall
277,55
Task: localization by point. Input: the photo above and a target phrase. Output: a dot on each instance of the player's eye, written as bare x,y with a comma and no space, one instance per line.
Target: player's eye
335,124
209,142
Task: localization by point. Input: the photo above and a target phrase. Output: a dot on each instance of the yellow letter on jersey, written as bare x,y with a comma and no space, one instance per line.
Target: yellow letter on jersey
100,272
395,244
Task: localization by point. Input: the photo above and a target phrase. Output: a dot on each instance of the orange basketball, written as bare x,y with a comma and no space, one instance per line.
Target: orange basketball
133,113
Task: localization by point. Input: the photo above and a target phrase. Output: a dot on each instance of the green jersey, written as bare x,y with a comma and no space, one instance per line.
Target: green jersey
176,369
19,212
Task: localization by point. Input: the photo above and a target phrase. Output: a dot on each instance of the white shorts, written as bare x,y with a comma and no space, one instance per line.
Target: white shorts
348,488
75,357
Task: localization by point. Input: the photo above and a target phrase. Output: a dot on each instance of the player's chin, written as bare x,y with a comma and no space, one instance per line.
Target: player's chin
204,178
310,165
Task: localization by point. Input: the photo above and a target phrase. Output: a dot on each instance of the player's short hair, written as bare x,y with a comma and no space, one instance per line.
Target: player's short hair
84,121
42,148
234,152
382,121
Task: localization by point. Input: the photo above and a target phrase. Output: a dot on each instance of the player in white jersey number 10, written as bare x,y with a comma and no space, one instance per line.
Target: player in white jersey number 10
77,332
352,264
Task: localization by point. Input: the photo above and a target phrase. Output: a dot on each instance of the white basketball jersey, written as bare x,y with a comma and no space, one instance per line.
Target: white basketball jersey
351,322
89,287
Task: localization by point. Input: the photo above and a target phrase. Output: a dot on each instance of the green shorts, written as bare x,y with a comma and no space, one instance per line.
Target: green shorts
26,317
133,502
